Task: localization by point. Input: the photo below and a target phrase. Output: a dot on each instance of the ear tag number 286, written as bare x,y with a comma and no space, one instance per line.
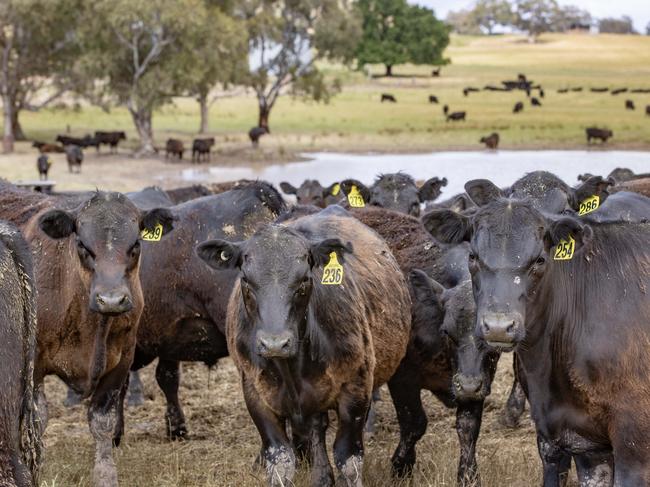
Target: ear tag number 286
355,199
333,271
564,249
153,235
588,205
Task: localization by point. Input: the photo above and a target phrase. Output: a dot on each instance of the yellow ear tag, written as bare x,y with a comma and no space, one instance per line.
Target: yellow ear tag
564,249
336,189
152,235
590,204
333,271
355,199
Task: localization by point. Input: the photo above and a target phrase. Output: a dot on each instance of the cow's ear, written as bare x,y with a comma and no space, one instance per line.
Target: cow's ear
447,226
566,229
220,254
593,186
333,189
461,203
482,191
346,187
584,177
161,216
431,189
57,224
288,188
320,251
426,290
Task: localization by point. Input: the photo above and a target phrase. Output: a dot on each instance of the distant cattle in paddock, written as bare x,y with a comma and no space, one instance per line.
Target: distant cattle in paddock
445,109
577,89
647,110
535,102
201,148
599,90
436,72
640,90
494,88
470,89
519,106
433,99
618,91
456,116
44,147
75,157
255,133
541,93
174,147
563,90
596,133
629,105
522,77
491,141
396,191
67,140
111,139
43,164
353,347
311,192
388,97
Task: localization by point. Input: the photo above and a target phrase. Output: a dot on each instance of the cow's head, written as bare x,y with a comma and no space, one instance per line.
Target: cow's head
474,364
513,245
106,229
311,192
397,192
277,277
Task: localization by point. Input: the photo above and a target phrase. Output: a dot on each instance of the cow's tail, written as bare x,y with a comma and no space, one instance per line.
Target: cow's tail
30,430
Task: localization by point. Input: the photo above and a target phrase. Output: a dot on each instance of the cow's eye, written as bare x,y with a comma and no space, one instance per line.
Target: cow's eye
84,251
540,261
301,290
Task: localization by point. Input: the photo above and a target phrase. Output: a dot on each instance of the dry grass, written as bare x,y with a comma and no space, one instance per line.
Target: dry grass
224,442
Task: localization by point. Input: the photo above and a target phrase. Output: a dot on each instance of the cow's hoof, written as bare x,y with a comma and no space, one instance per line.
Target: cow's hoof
402,467
177,434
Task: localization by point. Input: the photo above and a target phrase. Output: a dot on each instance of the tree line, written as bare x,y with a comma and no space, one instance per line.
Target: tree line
534,17
139,54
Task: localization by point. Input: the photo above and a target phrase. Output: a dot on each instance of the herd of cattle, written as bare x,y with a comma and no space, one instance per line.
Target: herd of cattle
522,83
321,303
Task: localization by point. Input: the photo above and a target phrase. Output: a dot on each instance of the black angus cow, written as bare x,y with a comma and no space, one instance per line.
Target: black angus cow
554,289
599,90
445,109
67,140
43,164
491,141
334,325
596,133
563,90
455,116
647,110
618,91
470,89
75,157
629,105
541,92
435,72
111,139
396,191
519,106
623,206
577,89
202,148
174,147
255,133
433,99
20,427
618,175
311,192
535,102
388,97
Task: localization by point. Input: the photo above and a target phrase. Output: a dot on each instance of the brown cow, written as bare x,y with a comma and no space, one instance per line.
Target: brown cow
491,141
174,147
89,300
332,324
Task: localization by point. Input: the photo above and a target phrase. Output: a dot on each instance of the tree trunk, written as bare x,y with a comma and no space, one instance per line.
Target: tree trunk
389,70
8,133
16,127
265,113
142,121
203,104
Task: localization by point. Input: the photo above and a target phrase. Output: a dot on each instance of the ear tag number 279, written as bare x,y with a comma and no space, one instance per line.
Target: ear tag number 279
333,271
588,205
153,235
564,249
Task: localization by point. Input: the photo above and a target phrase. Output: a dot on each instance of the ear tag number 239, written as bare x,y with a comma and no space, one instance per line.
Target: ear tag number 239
588,205
355,199
333,271
153,235
564,249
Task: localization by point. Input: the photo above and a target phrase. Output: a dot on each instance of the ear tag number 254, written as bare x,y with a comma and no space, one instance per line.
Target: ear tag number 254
333,271
153,235
564,249
588,205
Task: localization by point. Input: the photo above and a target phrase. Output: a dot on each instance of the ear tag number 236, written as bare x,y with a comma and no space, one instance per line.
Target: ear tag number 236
564,249
153,235
333,271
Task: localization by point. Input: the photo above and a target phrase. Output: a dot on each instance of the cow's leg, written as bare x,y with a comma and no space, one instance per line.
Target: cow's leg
72,398
555,462
168,377
372,413
41,408
595,469
309,443
516,400
412,420
103,421
468,426
136,389
119,428
348,446
276,455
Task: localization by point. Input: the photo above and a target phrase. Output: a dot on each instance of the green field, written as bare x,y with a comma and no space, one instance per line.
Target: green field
355,120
